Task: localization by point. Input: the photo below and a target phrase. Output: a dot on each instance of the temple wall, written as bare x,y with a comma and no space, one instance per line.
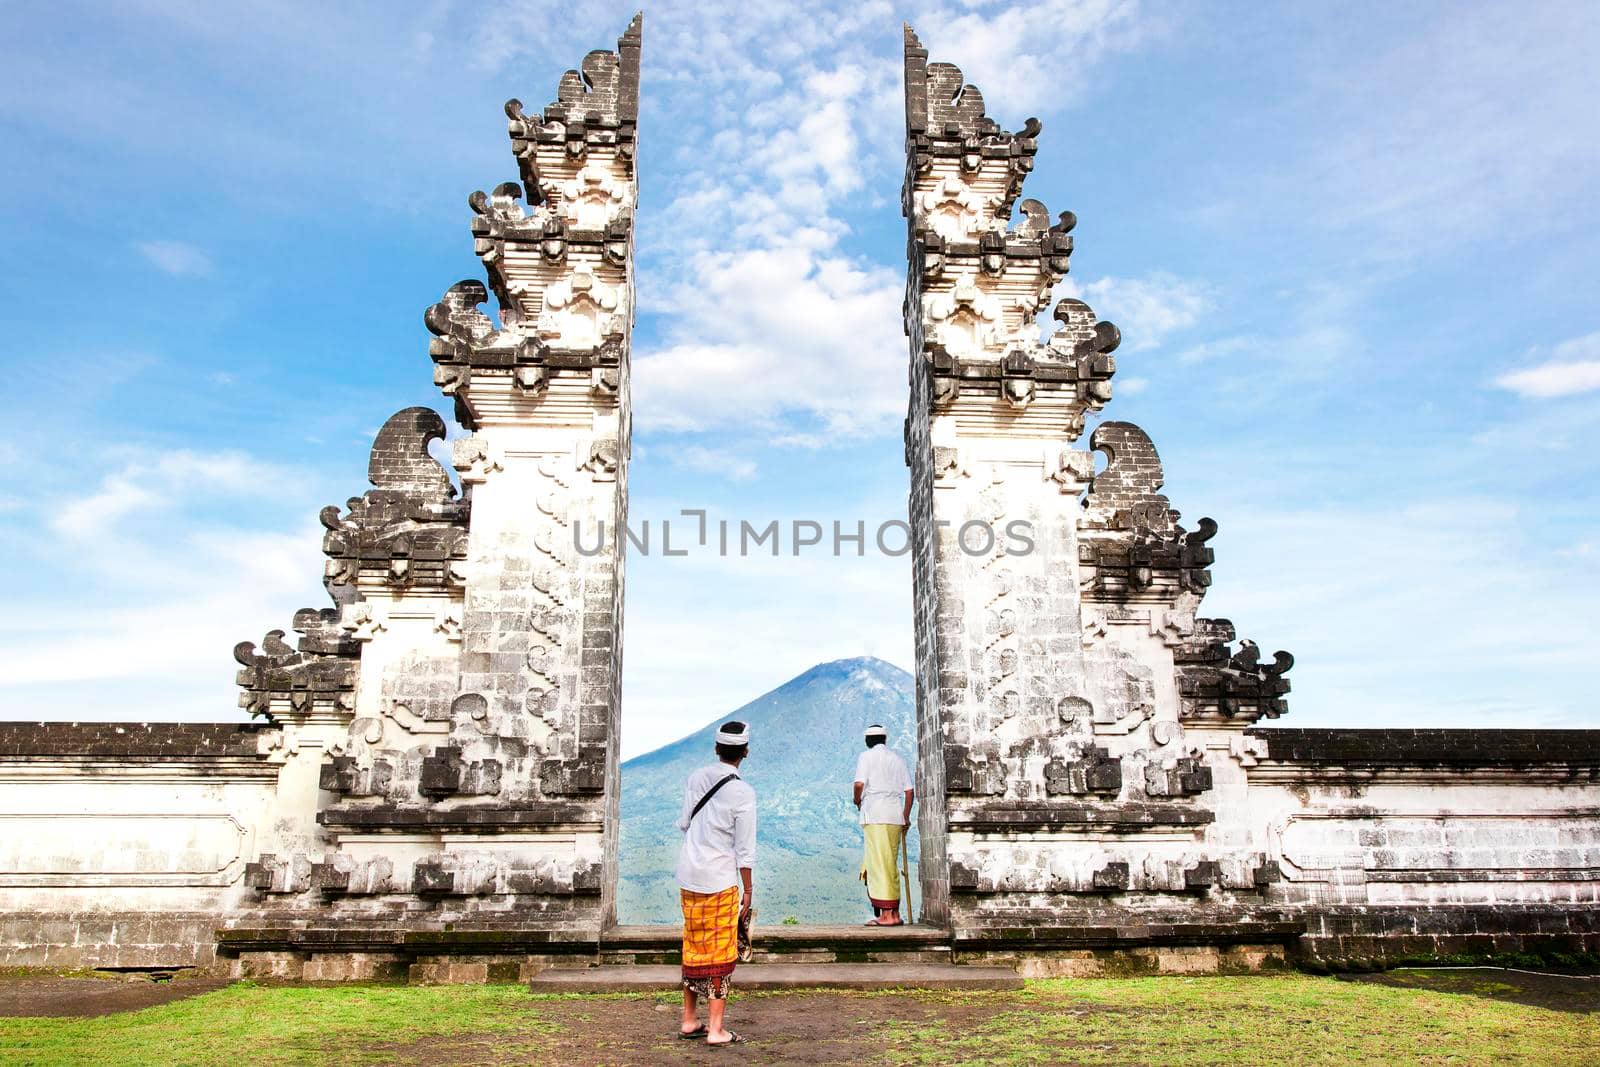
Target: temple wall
131,847
1399,844
125,845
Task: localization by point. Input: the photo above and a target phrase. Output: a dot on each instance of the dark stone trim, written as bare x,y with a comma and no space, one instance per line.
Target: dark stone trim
554,816
1351,937
1126,935
437,941
1465,747
1131,817
167,740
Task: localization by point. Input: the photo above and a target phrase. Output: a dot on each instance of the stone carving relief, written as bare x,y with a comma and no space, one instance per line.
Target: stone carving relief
965,321
592,199
954,211
581,312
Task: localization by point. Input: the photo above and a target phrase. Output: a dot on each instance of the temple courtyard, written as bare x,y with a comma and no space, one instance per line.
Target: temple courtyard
1461,1015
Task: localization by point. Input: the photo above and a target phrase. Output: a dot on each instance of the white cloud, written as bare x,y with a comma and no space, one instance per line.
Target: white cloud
1554,379
802,114
1222,346
88,516
777,330
154,482
223,586
1132,386
1312,338
138,619
1412,614
1473,127
177,258
1568,374
802,440
822,144
1145,309
1015,53
722,462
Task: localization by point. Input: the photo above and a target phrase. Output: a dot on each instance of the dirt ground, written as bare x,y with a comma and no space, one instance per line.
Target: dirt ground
778,1028
88,997
1559,992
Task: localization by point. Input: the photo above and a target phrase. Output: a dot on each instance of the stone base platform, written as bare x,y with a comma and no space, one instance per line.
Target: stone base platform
756,977
312,953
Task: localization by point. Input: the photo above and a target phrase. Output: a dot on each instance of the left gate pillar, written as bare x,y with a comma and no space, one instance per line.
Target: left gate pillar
477,647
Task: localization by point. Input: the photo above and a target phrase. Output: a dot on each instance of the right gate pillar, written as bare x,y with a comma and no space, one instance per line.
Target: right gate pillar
1076,719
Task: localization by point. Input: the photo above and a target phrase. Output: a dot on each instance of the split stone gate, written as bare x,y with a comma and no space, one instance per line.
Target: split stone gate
433,783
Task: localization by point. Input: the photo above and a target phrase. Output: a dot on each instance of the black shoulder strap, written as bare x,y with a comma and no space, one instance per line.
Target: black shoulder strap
709,794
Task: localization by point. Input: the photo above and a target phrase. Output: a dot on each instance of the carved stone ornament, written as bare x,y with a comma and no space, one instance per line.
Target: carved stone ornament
581,312
954,211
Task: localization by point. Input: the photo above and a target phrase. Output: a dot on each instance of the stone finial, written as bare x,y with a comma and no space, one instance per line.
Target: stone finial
945,119
596,104
400,459
1220,685
1126,495
279,676
939,102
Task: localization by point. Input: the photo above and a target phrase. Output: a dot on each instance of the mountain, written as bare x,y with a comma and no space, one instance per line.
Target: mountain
805,736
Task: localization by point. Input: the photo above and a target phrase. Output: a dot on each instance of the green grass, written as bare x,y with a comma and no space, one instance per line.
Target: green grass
1299,1019
272,1025
1290,1018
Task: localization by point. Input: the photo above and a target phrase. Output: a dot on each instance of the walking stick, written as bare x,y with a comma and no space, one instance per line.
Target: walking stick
905,873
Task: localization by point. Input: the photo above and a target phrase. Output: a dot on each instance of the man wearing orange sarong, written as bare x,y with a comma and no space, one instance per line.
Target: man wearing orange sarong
717,858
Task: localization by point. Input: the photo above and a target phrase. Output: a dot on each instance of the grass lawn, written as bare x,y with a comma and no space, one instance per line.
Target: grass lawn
1172,1021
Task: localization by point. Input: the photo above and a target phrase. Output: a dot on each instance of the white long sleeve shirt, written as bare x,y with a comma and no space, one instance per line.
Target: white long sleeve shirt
884,781
722,838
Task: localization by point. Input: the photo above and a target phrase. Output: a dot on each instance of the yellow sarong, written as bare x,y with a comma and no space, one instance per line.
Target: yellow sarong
710,933
880,861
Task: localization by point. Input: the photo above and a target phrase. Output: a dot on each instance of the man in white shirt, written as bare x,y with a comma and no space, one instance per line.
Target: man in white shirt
717,857
883,793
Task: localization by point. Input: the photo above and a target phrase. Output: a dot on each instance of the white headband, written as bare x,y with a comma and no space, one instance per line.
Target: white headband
742,737
877,731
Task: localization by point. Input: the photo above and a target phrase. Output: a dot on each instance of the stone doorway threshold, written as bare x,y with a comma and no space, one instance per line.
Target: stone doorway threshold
759,977
910,933
841,944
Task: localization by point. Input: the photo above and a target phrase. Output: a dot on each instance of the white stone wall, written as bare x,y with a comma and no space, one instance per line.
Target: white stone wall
1405,836
129,857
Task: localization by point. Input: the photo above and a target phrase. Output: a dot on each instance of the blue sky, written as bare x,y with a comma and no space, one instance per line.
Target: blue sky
1353,250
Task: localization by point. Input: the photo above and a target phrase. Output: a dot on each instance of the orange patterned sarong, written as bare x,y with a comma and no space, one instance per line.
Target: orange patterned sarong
710,933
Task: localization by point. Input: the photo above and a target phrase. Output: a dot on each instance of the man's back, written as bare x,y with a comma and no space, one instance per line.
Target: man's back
885,779
722,837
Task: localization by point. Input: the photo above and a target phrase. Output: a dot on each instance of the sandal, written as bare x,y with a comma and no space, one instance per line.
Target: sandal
733,1039
692,1035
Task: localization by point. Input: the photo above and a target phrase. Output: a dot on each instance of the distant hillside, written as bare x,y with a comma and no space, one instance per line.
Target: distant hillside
805,737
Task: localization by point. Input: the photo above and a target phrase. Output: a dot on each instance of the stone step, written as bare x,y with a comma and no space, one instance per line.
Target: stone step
799,945
670,935
752,977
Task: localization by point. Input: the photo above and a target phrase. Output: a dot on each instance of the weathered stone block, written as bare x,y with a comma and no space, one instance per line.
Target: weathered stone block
1114,876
